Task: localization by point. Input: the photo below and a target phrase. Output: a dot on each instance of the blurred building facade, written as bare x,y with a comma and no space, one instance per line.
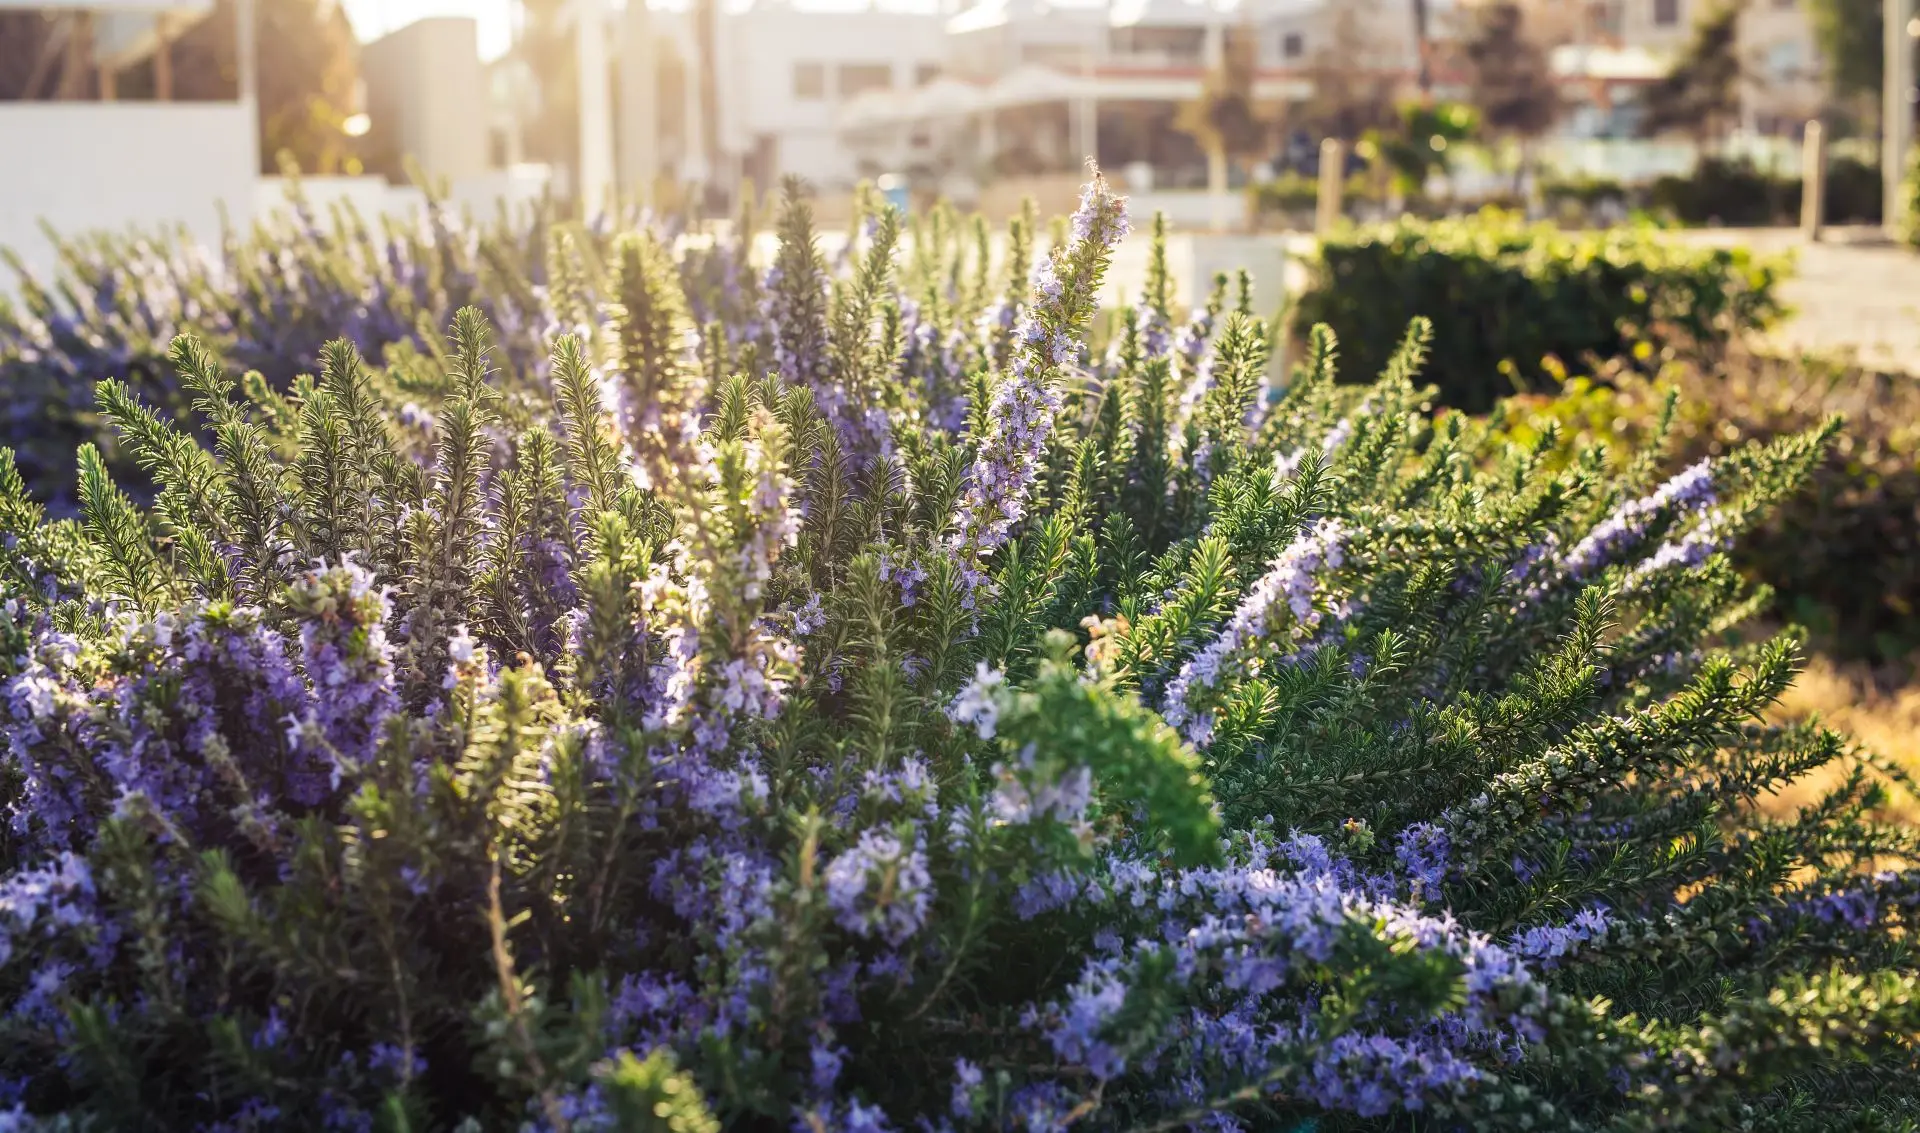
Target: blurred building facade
1025,87
1002,86
74,130
1628,42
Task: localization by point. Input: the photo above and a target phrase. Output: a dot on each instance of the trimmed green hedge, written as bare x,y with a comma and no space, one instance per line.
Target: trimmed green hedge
1736,194
1507,299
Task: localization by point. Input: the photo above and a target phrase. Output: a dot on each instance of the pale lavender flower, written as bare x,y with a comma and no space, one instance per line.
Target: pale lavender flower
1691,490
1287,601
979,703
1020,416
343,644
1547,945
880,887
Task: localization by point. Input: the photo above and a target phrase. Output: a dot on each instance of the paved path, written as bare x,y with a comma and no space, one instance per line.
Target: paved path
1851,292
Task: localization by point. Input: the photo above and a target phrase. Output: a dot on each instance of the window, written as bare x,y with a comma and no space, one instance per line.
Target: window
1666,13
809,81
1784,60
1052,54
1177,43
1293,45
856,78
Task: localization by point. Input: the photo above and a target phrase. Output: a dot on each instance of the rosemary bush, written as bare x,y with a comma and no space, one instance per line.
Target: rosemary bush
1842,557
268,299
826,697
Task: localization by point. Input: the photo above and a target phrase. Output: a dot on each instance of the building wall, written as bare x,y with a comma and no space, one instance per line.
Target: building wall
1776,43
785,74
83,166
1777,40
427,97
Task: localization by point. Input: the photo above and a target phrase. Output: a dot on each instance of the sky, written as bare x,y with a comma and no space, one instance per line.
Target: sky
372,19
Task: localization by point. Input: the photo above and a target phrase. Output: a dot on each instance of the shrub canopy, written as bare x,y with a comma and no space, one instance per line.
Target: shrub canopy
829,697
1506,299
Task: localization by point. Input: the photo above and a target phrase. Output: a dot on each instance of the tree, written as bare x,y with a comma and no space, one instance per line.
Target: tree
1509,78
1852,36
1700,96
1422,46
308,71
1352,91
1225,116
1421,142
545,44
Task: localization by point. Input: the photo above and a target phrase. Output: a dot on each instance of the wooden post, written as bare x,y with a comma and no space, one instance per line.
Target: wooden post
1896,123
1813,181
1333,179
73,72
162,58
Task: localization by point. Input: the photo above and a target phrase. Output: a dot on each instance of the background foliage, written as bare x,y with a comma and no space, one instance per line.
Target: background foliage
1504,297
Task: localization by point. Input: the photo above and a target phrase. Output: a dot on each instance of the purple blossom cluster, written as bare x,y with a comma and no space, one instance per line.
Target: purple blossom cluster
1285,607
1020,416
979,703
880,887
1547,945
936,359
55,897
1245,943
1424,851
1690,492
343,646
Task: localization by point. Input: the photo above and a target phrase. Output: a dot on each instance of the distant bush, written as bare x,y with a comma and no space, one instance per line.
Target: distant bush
1505,297
1737,194
1910,202
1587,193
1844,556
1296,196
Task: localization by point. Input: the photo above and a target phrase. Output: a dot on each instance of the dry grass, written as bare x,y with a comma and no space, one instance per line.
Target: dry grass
1881,716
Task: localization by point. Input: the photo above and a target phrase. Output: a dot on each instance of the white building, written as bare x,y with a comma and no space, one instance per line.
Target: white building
1004,86
72,148
423,83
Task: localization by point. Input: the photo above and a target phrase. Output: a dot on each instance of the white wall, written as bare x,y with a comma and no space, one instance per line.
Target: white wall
85,166
427,96
372,197
759,50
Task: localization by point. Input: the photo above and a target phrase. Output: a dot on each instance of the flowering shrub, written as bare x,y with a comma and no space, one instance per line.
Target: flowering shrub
269,299
1842,556
831,699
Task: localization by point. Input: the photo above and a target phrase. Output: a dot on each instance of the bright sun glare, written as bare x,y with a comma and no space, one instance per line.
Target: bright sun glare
374,18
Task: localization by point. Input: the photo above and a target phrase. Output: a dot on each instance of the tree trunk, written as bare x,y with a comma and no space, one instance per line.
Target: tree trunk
706,32
1423,72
